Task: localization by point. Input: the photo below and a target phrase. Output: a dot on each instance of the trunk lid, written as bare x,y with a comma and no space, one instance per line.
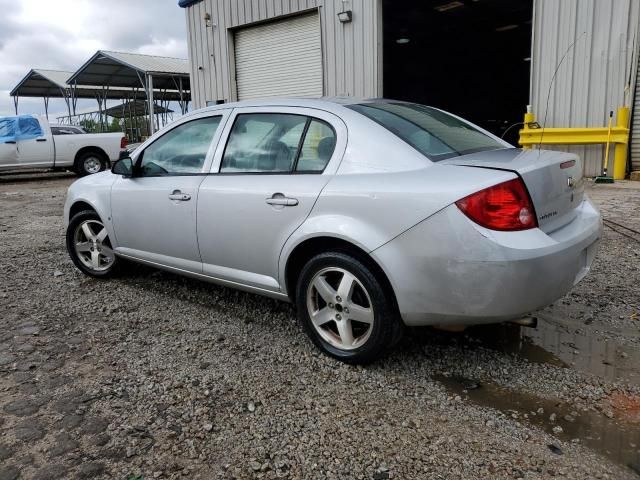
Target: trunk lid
554,179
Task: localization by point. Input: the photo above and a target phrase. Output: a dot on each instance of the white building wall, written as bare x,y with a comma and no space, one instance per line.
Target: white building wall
599,36
352,52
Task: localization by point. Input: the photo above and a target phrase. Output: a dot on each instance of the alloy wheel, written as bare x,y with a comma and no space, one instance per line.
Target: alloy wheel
340,308
92,246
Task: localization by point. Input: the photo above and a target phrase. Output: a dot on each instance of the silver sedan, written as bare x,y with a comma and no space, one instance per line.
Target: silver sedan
368,215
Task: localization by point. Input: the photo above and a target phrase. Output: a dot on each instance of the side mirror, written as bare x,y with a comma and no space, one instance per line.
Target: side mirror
123,167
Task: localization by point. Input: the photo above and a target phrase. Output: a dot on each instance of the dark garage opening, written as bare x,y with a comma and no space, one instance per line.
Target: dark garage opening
470,57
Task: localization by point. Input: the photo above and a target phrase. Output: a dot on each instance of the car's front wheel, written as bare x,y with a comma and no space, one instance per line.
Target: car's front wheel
344,308
89,246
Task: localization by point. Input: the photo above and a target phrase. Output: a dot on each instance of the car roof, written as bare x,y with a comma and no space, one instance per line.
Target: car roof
332,104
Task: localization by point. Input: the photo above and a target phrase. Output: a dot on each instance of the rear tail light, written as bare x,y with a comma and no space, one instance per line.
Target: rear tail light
505,206
123,143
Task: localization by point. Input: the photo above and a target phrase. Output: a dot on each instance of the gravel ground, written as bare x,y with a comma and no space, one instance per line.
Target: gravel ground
156,376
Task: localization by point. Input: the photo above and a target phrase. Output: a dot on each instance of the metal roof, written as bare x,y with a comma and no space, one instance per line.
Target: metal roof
50,83
118,69
40,82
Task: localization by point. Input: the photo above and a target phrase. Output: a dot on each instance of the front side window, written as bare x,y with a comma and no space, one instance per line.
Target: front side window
278,143
181,151
435,134
29,128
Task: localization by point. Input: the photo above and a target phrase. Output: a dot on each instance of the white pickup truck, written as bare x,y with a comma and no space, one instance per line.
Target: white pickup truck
26,141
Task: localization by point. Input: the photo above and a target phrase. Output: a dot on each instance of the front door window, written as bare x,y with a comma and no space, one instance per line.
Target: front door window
181,151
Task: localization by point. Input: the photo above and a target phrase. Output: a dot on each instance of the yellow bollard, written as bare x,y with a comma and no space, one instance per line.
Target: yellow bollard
529,118
620,150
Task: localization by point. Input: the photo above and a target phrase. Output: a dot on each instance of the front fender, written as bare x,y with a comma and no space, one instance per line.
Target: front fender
95,191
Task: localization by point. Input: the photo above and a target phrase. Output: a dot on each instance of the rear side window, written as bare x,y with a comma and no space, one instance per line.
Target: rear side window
7,128
435,134
318,147
66,131
278,143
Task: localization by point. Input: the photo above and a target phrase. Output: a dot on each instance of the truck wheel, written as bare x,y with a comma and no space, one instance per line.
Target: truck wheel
89,163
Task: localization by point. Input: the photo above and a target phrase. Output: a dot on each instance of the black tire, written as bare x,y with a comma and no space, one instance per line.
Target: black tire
386,329
87,163
109,267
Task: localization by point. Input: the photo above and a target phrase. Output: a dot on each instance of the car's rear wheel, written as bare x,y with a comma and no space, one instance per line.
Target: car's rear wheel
89,246
345,309
89,163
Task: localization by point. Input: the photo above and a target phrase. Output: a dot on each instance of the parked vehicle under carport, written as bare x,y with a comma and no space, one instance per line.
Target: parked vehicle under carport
27,142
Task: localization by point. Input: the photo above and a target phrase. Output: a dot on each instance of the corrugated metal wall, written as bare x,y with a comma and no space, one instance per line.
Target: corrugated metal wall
352,55
591,80
634,151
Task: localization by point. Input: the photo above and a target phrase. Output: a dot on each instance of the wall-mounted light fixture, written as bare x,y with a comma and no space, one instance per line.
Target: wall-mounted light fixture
346,16
207,19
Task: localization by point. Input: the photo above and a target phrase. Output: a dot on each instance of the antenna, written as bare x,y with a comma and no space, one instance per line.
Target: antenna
553,78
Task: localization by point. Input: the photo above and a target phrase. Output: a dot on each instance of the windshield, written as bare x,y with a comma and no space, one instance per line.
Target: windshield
435,134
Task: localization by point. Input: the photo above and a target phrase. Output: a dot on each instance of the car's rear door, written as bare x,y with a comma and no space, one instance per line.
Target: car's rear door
154,212
266,177
8,144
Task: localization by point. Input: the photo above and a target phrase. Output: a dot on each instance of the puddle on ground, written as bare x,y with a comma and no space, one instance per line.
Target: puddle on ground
563,344
616,441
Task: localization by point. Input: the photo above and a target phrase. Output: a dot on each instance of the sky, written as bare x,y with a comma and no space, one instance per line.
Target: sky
63,34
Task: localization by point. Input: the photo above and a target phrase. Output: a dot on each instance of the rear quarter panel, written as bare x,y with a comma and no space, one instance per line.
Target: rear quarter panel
371,209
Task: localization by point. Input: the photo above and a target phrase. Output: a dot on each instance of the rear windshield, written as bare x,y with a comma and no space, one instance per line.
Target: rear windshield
432,132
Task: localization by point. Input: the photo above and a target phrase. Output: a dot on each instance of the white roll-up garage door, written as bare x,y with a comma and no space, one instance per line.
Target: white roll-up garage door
281,58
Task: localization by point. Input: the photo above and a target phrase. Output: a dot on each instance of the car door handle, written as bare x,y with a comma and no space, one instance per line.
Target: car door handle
12,142
179,196
278,199
41,140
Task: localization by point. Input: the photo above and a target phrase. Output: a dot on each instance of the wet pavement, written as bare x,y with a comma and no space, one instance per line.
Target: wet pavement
615,439
614,433
563,343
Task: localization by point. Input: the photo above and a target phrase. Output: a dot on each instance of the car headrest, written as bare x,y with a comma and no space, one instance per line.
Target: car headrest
326,147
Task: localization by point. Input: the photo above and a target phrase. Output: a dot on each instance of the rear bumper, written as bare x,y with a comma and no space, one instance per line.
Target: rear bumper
448,270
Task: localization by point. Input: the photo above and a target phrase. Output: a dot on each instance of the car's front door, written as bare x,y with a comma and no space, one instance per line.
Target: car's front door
34,147
154,212
265,180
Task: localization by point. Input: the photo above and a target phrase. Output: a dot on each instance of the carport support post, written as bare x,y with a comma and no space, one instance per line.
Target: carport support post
152,126
16,99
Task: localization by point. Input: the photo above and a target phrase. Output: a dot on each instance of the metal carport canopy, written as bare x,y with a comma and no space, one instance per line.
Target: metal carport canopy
128,70
53,83
133,70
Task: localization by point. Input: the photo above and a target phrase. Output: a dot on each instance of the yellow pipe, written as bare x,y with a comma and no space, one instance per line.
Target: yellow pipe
619,135
573,136
606,153
620,150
